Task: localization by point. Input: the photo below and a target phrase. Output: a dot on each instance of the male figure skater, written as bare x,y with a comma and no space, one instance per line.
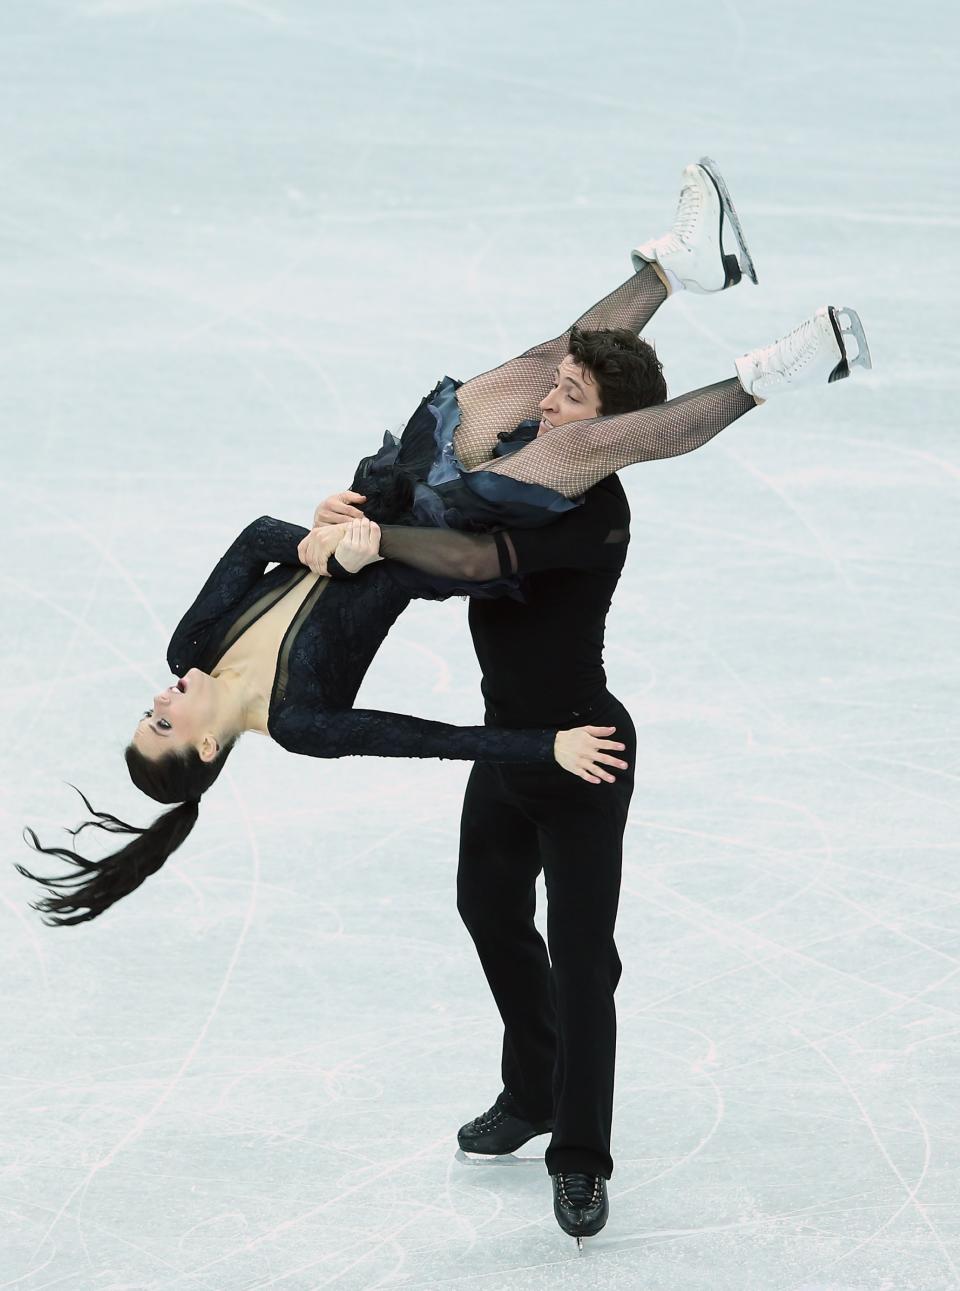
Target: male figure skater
542,666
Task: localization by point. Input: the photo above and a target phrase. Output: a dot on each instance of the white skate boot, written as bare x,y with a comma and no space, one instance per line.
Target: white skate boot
692,252
822,349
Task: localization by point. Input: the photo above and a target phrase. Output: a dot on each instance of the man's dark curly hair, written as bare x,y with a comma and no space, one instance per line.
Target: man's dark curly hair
626,369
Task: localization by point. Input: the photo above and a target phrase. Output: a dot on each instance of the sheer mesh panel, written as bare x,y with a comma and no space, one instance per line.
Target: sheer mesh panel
467,557
497,401
574,457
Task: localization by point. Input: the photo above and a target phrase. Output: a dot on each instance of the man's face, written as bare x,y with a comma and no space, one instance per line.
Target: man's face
575,396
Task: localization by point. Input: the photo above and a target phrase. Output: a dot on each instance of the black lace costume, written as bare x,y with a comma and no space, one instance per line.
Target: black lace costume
325,654
474,468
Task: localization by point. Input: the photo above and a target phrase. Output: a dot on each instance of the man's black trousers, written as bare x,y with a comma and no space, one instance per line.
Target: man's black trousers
560,1027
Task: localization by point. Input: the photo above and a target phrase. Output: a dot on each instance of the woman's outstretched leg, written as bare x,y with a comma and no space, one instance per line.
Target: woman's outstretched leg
574,456
690,256
498,400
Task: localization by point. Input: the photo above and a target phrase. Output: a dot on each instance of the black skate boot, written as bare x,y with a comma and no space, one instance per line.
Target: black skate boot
500,1129
580,1204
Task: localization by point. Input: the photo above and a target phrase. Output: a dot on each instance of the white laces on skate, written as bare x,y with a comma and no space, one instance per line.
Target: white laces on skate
793,352
688,211
684,221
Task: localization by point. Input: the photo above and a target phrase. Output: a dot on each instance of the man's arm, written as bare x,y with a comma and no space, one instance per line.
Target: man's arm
448,553
444,553
590,537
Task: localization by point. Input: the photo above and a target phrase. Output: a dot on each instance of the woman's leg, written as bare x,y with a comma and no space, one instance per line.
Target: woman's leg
498,400
690,255
574,457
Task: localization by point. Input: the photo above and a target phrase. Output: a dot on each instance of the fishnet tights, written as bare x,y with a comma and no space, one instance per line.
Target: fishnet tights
498,400
574,457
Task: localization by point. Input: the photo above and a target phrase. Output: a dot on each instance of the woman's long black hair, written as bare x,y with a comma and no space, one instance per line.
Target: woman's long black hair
181,778
93,886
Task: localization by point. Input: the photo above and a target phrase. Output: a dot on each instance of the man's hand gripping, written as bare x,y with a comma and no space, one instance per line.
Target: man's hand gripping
356,544
338,508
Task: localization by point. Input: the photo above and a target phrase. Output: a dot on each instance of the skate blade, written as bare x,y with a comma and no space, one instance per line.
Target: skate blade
848,321
502,1159
579,1245
730,211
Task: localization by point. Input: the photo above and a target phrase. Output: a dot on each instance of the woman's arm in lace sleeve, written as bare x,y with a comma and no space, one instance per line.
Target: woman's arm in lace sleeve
341,733
263,542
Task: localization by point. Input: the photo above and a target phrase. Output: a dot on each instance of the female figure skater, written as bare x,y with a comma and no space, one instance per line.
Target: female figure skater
284,652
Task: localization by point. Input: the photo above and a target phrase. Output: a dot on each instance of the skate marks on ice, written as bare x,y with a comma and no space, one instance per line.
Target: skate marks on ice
251,1075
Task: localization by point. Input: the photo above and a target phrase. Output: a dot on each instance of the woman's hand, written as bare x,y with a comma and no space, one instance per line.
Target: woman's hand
359,546
338,508
320,543
582,750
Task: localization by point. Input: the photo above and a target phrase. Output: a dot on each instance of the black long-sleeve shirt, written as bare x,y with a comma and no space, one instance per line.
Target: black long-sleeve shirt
542,658
325,654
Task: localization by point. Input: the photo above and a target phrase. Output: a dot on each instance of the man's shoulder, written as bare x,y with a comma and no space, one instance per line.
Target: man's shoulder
582,535
610,484
609,493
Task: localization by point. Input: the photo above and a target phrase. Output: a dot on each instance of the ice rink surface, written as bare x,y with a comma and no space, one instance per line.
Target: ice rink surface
239,241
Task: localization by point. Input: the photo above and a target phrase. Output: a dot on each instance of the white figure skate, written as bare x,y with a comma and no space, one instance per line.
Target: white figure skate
822,349
692,252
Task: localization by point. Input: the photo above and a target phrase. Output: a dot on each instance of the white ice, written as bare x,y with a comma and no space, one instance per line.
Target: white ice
241,239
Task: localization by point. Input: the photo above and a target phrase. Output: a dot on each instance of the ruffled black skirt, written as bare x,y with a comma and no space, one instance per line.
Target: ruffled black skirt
445,494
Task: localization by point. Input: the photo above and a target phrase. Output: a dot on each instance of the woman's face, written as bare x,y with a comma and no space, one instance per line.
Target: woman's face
180,717
574,397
